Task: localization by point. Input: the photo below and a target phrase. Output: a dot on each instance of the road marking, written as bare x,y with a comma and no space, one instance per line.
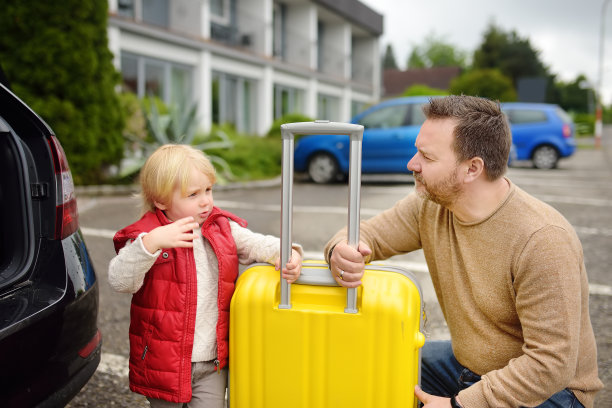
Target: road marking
596,202
98,232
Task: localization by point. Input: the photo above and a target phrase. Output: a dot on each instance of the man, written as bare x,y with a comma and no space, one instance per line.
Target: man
508,269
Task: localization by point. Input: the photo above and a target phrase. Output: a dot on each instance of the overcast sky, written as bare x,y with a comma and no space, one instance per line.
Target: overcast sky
566,32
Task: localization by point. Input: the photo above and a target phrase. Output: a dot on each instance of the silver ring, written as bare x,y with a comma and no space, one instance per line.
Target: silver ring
341,273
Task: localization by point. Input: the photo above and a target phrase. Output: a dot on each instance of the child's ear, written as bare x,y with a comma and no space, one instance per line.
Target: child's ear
161,206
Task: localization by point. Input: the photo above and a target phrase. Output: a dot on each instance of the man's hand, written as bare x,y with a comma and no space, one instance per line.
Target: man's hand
179,234
431,401
347,263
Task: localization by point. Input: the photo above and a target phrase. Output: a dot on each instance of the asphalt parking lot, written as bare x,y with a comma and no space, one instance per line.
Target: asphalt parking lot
581,188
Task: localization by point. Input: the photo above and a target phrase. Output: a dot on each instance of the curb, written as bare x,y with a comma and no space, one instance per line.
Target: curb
131,189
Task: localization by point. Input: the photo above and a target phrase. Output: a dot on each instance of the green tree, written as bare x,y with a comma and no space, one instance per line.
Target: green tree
576,96
488,83
436,52
389,58
423,90
55,55
511,54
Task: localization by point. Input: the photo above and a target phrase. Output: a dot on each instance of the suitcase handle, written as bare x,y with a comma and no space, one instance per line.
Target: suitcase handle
288,131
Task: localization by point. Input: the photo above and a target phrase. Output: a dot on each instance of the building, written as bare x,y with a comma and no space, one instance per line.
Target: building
395,82
248,62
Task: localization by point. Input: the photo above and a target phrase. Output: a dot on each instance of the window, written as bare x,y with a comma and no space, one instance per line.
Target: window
125,8
129,72
526,116
279,31
155,12
387,117
327,107
286,100
232,101
220,11
357,107
320,46
144,76
417,116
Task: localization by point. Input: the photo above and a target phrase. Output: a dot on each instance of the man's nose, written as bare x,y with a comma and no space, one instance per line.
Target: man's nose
413,164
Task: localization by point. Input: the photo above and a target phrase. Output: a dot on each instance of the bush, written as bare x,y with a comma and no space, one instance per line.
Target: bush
585,124
275,130
487,83
252,157
423,90
55,56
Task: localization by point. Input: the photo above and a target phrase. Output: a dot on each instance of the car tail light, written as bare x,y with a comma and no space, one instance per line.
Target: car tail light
567,131
66,214
91,346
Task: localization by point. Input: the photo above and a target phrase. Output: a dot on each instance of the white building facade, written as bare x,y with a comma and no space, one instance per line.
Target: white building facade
249,62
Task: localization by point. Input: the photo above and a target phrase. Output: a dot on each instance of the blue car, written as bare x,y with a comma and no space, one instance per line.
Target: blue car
390,131
542,133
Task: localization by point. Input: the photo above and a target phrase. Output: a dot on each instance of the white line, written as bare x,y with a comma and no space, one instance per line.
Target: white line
596,202
98,232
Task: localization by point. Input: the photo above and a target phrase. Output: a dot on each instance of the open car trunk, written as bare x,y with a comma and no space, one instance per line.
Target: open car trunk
16,243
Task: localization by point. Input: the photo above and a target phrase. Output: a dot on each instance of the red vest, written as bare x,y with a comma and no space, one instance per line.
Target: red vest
162,315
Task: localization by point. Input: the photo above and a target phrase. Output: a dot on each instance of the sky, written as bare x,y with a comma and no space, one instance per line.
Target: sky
565,32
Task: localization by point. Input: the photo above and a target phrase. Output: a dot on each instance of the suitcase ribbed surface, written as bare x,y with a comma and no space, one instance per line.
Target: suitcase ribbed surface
315,354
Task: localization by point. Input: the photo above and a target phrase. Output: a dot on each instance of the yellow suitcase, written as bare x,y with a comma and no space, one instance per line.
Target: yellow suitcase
314,343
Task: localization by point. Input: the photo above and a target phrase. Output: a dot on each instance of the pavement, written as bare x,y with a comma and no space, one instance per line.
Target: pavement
111,376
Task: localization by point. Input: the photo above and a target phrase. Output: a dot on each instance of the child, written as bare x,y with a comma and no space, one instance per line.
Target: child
180,262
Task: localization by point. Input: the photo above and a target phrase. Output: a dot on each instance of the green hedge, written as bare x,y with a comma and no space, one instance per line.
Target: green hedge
55,55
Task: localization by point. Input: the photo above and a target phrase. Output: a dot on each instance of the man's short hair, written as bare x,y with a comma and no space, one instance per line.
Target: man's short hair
170,167
481,130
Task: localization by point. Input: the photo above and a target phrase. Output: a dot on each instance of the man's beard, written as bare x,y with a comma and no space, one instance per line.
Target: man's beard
444,192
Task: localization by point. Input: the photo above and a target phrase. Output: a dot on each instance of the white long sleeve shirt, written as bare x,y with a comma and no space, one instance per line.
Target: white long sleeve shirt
127,271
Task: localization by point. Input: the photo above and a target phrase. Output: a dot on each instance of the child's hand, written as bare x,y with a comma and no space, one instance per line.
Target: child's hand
179,234
293,268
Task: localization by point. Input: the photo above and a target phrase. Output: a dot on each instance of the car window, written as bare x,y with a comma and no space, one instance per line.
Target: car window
517,116
565,118
418,117
387,117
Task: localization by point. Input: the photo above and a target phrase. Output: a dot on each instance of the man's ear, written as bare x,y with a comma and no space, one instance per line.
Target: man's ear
161,206
475,167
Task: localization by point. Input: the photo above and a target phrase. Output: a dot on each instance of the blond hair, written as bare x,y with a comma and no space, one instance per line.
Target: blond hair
167,168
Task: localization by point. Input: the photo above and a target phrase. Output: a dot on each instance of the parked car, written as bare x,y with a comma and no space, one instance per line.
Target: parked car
49,338
542,133
390,131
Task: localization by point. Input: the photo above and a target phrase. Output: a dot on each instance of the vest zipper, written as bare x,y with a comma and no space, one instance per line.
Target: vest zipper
217,364
144,353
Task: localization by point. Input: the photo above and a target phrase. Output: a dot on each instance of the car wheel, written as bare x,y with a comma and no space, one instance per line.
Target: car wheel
322,168
545,157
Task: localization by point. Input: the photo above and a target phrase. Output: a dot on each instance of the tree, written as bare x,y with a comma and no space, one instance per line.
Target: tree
423,90
512,55
56,57
488,83
389,58
577,96
435,52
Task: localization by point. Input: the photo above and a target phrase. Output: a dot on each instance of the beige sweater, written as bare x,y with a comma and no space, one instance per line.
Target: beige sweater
513,289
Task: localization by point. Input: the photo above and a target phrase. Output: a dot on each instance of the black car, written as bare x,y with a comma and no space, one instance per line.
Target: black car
50,344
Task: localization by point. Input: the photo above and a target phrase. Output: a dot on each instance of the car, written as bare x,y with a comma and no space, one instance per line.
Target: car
390,131
541,132
50,344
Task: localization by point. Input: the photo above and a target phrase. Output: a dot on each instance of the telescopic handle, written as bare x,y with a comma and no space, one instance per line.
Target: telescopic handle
288,132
